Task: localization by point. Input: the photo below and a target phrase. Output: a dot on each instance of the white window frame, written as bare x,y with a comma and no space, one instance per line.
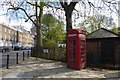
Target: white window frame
0,36
5,29
5,36
9,37
9,31
0,28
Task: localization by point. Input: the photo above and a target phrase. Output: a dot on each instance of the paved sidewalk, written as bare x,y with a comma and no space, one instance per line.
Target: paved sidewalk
42,68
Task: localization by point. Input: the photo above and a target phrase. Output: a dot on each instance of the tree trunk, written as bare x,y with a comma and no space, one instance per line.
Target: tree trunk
68,15
68,12
38,29
38,39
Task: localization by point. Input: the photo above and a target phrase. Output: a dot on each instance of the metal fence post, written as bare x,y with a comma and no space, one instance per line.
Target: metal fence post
16,58
31,51
23,56
7,66
36,51
28,54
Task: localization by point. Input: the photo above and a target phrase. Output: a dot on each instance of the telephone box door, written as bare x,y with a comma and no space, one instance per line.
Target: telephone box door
72,52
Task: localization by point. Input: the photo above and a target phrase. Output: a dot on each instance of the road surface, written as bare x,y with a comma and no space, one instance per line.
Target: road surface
12,57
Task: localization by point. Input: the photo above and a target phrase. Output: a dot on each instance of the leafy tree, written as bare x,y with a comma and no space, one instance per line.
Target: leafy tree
115,30
52,31
92,23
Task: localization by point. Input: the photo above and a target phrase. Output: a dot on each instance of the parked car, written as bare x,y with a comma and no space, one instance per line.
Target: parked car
17,48
1,48
28,47
4,49
25,48
22,48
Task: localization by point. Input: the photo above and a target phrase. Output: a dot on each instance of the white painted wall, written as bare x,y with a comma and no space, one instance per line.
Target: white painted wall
1,43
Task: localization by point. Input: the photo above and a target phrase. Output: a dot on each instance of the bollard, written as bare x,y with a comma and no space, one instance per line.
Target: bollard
23,56
28,54
7,66
31,51
16,58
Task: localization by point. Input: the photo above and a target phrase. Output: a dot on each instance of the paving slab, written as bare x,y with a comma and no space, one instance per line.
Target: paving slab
42,68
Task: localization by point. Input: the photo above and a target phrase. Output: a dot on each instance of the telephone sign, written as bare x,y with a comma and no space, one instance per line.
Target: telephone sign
76,49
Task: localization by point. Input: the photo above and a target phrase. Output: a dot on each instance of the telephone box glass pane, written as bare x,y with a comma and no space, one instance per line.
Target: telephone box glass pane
72,51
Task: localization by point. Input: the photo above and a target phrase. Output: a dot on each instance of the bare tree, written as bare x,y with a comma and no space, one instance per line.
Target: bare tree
35,18
68,8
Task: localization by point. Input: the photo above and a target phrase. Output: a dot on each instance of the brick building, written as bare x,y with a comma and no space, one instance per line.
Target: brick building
10,37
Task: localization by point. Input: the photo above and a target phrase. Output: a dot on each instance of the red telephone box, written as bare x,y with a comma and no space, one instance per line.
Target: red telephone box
76,49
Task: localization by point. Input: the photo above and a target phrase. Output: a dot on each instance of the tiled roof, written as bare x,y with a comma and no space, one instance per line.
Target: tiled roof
102,33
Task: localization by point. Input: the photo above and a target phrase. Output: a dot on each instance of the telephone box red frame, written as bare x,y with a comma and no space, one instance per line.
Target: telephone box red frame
76,49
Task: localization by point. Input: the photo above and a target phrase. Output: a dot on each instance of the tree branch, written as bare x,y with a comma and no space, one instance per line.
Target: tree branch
30,17
72,5
18,8
108,5
33,4
62,4
54,7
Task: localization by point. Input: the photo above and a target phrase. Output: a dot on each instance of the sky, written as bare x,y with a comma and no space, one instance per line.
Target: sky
119,15
4,19
10,20
105,11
